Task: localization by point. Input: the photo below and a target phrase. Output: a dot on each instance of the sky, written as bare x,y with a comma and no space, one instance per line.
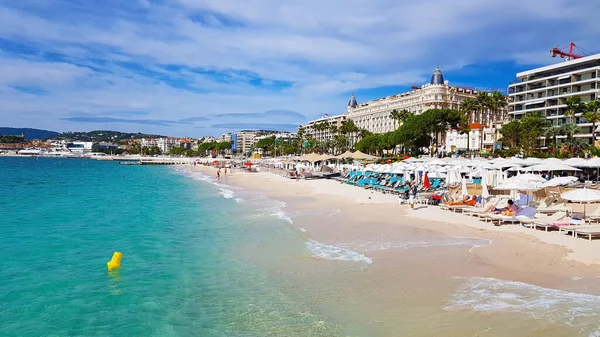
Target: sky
204,67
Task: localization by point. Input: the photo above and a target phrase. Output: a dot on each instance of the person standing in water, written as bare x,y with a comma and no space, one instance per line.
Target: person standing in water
218,173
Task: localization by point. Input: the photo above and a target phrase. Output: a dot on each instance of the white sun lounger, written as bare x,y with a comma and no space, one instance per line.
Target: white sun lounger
589,232
546,222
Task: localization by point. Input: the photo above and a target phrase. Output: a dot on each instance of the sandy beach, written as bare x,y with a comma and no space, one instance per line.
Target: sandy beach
418,255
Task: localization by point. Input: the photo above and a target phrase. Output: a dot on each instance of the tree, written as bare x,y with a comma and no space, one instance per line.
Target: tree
532,128
439,120
511,133
413,134
483,103
266,144
469,107
400,116
552,132
497,103
592,114
349,130
574,106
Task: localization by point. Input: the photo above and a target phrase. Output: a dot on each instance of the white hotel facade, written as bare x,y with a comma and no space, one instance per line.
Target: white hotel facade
544,90
375,116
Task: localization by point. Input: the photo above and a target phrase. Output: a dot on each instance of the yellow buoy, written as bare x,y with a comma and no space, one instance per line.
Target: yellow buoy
115,262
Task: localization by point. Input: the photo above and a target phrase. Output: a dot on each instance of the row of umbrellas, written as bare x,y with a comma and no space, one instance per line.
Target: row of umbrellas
314,157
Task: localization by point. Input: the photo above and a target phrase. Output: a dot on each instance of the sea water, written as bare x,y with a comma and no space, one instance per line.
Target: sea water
182,273
202,258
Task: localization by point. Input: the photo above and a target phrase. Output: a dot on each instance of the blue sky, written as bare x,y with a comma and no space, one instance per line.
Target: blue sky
199,67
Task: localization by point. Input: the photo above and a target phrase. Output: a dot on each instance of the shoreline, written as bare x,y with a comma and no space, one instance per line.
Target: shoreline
515,253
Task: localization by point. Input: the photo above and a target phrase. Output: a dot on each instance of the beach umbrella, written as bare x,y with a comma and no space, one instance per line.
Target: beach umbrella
577,162
426,182
484,189
582,195
559,181
516,185
550,166
463,190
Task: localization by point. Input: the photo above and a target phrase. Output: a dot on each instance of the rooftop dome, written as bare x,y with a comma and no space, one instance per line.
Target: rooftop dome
352,103
437,77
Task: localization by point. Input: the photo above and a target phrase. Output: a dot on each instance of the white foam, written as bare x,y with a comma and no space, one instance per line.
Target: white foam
426,242
227,194
283,216
329,252
577,310
326,213
240,200
303,230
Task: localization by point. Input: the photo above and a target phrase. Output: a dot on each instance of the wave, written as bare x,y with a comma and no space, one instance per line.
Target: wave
576,310
326,213
329,252
227,194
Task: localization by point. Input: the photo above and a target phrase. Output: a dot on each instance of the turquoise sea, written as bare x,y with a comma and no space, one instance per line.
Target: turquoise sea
188,250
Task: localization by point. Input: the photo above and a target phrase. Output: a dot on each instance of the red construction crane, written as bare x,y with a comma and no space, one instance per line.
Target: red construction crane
570,55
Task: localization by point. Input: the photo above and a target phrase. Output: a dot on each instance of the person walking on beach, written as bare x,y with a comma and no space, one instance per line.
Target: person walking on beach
226,171
412,192
218,173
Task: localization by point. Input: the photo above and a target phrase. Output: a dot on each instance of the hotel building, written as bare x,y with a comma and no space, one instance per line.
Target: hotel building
544,90
312,128
375,115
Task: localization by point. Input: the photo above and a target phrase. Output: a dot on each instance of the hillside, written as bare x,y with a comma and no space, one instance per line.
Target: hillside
29,133
102,136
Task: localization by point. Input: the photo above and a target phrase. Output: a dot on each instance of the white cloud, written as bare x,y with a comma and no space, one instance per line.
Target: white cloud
195,57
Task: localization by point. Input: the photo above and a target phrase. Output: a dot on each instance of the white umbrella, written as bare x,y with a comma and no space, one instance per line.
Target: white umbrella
559,181
464,191
578,162
582,195
549,166
514,186
484,189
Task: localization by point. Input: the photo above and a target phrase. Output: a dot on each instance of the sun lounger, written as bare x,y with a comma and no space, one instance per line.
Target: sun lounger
573,227
546,222
587,232
476,211
523,214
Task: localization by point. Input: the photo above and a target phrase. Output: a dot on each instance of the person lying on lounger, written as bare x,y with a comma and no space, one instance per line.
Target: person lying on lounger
467,201
509,209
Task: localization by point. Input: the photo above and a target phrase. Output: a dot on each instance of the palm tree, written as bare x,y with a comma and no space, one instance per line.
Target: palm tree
592,114
497,103
350,129
574,106
483,103
400,116
469,107
552,132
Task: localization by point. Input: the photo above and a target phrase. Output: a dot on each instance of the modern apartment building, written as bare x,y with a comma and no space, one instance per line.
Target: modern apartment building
544,90
315,129
245,139
375,115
